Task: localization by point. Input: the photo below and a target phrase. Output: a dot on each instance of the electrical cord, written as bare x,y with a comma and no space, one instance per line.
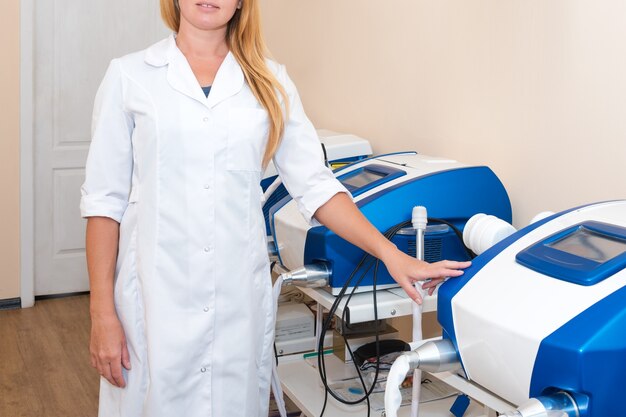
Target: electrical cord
325,155
367,261
456,231
321,361
327,322
321,364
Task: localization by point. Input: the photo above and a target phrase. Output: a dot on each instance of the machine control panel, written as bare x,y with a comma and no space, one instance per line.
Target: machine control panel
583,254
368,177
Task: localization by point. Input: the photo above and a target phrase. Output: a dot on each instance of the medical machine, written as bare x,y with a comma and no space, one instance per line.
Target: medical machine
539,319
339,149
385,188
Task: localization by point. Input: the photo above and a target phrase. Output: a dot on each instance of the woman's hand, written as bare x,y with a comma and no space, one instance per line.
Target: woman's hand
341,216
108,342
407,270
108,348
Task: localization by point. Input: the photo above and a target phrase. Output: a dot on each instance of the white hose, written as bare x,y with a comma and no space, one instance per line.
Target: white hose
419,220
276,387
417,336
393,397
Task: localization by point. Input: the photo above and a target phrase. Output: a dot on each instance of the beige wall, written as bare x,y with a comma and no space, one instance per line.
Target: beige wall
9,150
534,89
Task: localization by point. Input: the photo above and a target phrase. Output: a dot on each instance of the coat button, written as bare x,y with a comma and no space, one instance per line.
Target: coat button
206,119
202,369
207,249
206,309
207,186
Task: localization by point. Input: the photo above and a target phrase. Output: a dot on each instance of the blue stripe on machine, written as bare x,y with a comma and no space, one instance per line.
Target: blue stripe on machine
272,216
587,356
265,182
454,195
277,196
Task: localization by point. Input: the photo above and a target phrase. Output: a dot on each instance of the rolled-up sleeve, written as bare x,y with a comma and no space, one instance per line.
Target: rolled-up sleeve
299,159
108,172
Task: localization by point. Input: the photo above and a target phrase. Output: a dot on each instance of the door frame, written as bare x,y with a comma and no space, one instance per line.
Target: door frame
27,166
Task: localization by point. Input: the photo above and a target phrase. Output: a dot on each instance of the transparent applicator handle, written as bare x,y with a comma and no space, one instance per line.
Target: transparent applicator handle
420,221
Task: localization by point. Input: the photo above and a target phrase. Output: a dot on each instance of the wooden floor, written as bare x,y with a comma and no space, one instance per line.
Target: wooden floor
44,360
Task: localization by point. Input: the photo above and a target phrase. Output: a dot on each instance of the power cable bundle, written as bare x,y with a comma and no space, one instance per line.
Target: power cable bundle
364,266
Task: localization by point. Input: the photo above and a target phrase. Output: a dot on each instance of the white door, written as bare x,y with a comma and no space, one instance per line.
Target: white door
74,42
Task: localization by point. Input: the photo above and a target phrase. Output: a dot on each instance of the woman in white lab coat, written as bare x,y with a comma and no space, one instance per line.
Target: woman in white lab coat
182,321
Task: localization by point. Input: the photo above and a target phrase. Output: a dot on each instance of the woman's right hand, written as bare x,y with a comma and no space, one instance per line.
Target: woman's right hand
108,348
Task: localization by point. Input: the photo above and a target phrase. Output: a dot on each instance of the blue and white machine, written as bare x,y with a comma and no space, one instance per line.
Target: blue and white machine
542,315
386,188
340,149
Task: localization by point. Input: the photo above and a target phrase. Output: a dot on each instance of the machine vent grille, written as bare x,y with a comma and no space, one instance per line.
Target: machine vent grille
432,249
275,197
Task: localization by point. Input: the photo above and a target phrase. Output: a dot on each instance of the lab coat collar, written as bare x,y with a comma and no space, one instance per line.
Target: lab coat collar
228,81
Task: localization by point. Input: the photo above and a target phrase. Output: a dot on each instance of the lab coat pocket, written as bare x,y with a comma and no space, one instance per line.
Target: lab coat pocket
247,138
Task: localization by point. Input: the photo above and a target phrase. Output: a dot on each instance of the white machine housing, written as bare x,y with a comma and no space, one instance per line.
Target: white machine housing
505,311
290,228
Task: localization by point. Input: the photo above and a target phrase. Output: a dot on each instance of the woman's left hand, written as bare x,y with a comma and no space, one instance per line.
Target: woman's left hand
407,270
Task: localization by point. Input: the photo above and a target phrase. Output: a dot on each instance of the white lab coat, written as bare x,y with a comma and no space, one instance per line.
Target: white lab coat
181,174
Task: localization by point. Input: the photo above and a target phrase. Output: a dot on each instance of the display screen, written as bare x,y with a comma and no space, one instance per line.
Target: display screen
362,179
590,245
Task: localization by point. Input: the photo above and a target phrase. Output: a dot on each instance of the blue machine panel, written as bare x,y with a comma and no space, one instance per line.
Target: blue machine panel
279,194
479,190
587,356
584,254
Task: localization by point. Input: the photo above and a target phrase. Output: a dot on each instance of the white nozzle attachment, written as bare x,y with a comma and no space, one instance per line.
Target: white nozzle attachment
434,356
419,217
482,231
310,276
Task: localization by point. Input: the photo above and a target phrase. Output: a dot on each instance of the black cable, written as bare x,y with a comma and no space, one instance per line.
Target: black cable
367,391
325,155
366,262
321,362
458,233
325,402
326,326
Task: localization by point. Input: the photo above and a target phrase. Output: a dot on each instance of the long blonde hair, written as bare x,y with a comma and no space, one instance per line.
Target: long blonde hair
246,43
